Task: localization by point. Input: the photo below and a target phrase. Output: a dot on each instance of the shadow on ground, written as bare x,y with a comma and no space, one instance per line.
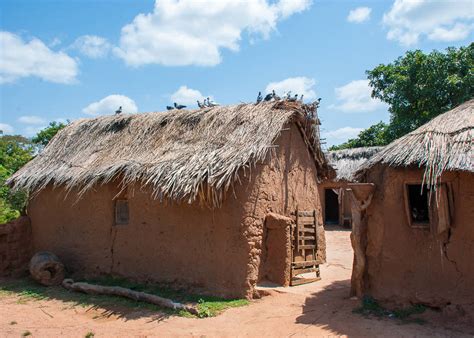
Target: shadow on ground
103,306
27,290
331,309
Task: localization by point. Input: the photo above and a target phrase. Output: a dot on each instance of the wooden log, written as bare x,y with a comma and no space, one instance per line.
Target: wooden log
127,293
46,269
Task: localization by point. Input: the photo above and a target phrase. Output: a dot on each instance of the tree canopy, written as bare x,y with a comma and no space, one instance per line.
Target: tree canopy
418,87
15,152
372,136
45,135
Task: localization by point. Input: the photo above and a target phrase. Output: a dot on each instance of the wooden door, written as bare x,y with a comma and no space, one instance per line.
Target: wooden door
304,234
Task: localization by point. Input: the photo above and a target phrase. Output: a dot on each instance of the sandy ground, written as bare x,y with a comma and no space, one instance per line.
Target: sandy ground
317,309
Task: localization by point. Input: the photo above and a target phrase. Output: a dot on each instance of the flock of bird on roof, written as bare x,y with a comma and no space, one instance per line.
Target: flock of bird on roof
211,103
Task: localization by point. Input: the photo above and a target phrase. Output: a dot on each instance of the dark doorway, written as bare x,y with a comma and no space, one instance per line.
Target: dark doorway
331,211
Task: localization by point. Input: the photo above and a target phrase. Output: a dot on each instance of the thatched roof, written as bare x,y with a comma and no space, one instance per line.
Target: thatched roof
444,143
347,161
181,155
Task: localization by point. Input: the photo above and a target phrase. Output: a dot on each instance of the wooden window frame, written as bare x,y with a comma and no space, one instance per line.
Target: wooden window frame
117,218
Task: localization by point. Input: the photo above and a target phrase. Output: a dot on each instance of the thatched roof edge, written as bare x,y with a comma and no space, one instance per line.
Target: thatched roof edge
442,144
347,161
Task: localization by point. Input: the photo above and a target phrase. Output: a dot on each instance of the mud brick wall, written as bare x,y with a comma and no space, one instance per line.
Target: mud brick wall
15,246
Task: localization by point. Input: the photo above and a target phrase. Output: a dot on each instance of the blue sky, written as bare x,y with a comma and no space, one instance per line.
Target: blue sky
74,59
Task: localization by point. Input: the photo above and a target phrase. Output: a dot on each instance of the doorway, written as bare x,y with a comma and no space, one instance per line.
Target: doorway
331,207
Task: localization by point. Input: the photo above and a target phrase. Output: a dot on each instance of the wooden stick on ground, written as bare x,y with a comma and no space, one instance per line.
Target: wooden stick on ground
128,293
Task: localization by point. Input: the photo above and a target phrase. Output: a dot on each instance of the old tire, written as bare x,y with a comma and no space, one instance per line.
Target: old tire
46,269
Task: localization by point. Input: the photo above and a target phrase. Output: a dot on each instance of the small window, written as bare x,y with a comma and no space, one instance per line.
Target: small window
121,212
418,208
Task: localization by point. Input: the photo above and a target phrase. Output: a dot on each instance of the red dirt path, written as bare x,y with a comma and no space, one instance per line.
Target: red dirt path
317,309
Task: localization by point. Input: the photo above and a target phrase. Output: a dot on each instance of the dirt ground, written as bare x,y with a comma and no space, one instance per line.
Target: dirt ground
318,309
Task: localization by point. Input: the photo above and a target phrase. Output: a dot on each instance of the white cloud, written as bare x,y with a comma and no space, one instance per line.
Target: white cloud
297,85
55,42
108,105
458,32
31,120
355,97
189,32
92,46
286,8
187,96
22,59
359,14
6,128
341,134
30,131
408,20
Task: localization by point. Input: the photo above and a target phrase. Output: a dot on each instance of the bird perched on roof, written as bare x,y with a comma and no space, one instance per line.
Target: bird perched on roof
119,111
179,106
201,104
275,96
212,103
259,97
268,97
301,98
294,98
288,95
169,107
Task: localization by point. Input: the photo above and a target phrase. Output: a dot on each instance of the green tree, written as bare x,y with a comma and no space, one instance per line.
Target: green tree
419,86
15,151
372,136
45,135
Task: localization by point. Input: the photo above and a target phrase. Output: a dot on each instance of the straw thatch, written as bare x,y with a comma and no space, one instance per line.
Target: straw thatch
444,143
347,161
181,155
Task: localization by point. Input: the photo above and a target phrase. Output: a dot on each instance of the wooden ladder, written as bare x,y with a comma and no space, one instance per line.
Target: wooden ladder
305,243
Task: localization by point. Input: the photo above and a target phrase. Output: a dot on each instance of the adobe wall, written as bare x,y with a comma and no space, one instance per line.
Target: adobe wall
417,265
15,246
220,251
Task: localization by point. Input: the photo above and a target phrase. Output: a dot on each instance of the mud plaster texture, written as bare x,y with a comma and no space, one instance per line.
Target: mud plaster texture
220,251
15,247
277,260
405,264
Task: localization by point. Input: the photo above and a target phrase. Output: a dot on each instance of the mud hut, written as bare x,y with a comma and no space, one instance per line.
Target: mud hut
419,228
335,202
207,199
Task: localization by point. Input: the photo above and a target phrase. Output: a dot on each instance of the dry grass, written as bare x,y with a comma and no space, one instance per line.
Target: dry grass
443,144
347,161
183,155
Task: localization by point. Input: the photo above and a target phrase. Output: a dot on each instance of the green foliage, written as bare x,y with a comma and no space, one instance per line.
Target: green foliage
15,151
372,136
370,307
45,135
417,87
420,86
208,306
